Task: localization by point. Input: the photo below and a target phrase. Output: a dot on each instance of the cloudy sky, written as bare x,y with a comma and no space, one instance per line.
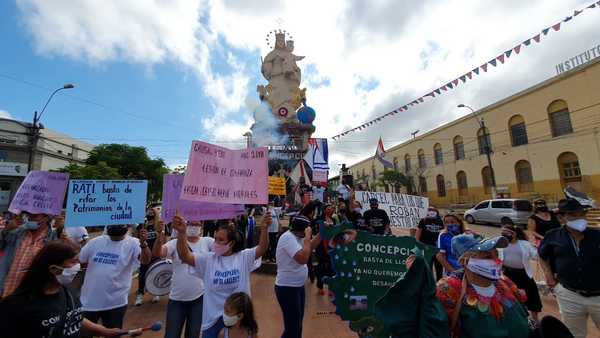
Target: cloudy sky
163,72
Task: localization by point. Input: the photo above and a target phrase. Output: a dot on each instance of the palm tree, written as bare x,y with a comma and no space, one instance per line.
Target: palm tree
392,178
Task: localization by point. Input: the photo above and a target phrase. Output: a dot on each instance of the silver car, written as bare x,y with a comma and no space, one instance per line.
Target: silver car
498,211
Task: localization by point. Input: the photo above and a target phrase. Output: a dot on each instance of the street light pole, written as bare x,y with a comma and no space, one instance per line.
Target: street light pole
486,148
35,128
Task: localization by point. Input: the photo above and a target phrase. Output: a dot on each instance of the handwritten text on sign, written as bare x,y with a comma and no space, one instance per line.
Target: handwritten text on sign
92,202
42,192
404,211
220,175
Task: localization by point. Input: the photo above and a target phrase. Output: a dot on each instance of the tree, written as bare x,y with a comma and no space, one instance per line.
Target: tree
99,171
392,177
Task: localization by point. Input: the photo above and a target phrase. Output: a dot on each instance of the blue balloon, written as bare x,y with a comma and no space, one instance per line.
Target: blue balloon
306,114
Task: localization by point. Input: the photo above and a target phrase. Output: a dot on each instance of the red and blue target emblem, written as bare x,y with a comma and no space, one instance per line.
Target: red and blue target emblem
283,112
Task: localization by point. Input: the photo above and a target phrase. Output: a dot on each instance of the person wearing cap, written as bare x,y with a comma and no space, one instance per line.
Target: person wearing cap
110,260
428,232
22,238
479,300
293,253
376,220
542,220
571,263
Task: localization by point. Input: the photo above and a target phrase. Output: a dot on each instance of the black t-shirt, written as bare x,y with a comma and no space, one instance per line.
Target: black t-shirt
152,234
430,230
376,219
357,220
41,316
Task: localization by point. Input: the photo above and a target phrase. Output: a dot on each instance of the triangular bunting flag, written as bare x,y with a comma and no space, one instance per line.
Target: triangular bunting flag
556,27
463,78
493,62
438,91
598,3
449,85
500,58
517,49
444,88
455,82
484,67
508,52
567,19
545,31
405,107
470,75
527,42
536,38
576,13
591,6
421,99
476,70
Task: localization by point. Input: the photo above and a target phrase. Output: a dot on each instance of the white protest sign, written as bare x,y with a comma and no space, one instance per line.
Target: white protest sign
404,211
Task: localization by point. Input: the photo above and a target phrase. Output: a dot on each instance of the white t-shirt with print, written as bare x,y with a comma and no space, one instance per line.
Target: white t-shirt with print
275,213
184,285
289,272
110,265
222,275
77,234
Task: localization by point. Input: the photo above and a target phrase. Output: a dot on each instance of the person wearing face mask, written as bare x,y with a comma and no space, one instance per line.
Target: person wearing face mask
24,236
571,263
187,290
293,253
428,231
110,260
225,270
542,221
453,226
479,300
324,268
43,305
152,220
238,317
377,220
516,262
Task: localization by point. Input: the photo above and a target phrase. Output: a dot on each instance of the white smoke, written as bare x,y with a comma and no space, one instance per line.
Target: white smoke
266,128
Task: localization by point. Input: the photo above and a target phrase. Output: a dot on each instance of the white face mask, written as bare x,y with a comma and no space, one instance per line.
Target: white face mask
431,214
487,268
193,231
230,321
578,224
487,291
68,274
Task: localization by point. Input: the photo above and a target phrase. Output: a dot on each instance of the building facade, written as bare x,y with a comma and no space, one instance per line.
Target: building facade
542,139
53,151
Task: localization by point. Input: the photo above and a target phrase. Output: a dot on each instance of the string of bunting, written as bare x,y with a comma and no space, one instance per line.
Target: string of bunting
503,57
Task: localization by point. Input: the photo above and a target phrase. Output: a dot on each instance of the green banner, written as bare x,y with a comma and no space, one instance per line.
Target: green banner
366,266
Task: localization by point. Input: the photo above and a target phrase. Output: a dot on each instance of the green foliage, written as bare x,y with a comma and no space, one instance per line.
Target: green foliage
99,171
392,177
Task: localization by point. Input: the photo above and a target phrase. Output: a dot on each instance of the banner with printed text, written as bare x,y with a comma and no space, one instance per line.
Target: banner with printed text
219,175
405,211
105,202
277,185
42,192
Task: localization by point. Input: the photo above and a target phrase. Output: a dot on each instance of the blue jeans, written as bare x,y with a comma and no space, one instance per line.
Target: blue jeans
180,312
291,300
213,331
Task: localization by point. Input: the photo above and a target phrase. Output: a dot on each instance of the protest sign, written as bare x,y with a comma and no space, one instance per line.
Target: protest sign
320,175
192,211
42,192
277,186
366,266
405,211
105,202
219,175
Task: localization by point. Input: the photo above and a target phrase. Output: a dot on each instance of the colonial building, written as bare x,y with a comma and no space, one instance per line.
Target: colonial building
53,151
542,139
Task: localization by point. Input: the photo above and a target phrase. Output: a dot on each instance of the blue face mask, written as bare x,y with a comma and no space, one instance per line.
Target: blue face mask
454,229
31,225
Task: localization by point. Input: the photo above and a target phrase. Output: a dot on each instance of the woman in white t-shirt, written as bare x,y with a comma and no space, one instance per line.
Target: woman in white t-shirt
293,252
224,271
187,290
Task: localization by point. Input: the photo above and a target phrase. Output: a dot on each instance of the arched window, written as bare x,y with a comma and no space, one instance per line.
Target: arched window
422,185
518,131
441,185
484,141
486,177
461,182
437,154
560,118
395,164
570,173
421,157
524,176
459,148
407,163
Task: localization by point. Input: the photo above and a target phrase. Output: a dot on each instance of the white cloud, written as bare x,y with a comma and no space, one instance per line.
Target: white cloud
408,50
5,115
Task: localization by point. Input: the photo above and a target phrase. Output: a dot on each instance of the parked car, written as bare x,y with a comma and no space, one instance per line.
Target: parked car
498,210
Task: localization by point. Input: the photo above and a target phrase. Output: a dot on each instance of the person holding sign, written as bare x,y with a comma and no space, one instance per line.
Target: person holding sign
187,290
110,260
225,270
377,220
24,236
152,219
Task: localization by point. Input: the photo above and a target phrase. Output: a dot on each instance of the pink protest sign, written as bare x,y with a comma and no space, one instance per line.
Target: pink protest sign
219,175
192,211
42,192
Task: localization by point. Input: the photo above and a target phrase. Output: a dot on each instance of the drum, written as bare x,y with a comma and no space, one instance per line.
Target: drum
158,277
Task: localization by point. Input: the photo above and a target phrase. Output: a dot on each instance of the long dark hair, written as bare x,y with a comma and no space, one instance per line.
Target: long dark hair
521,235
458,221
39,275
233,236
242,303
